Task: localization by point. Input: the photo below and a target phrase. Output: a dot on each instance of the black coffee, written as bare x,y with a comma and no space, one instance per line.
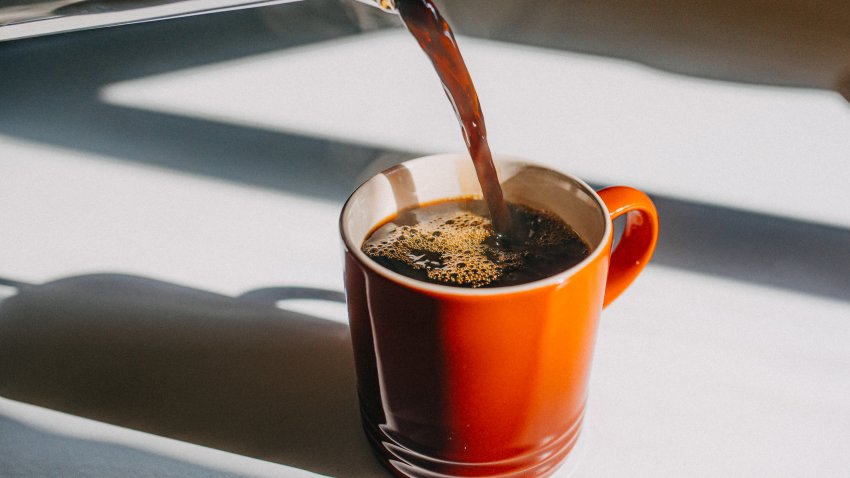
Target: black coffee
453,243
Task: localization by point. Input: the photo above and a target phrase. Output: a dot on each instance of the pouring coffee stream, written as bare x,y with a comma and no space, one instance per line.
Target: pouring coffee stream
427,25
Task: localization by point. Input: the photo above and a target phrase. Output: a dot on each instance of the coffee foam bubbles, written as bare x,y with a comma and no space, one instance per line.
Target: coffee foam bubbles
450,247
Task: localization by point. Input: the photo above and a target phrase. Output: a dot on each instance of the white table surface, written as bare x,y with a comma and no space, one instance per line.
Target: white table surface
694,375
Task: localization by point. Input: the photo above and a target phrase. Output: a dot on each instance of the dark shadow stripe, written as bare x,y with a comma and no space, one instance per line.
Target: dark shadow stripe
758,248
269,159
752,247
25,450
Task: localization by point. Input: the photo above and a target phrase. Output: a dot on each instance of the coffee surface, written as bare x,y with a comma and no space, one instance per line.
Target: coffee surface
454,243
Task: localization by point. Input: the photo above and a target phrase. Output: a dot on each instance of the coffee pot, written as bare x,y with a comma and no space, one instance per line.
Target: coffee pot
29,18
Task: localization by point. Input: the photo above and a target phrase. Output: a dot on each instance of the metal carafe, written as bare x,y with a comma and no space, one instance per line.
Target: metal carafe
29,18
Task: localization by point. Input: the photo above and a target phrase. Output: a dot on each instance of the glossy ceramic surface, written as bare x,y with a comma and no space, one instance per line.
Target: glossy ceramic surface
483,382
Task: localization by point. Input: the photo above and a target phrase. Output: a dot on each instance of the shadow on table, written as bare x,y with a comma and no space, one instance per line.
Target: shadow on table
236,374
62,455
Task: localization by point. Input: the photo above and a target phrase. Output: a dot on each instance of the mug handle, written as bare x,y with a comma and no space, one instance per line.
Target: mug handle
637,242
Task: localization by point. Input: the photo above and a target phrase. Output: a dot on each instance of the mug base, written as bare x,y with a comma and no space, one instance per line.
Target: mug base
562,454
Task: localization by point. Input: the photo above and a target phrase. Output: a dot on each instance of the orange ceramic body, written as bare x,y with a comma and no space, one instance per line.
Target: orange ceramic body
454,382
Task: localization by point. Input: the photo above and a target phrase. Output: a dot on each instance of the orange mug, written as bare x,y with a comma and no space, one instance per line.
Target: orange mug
483,382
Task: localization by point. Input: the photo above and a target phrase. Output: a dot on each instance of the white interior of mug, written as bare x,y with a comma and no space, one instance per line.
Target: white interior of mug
448,176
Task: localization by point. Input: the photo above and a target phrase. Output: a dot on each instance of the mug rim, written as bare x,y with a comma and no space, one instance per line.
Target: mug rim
440,289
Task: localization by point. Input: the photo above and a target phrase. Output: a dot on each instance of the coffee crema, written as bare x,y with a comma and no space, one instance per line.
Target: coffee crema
453,242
